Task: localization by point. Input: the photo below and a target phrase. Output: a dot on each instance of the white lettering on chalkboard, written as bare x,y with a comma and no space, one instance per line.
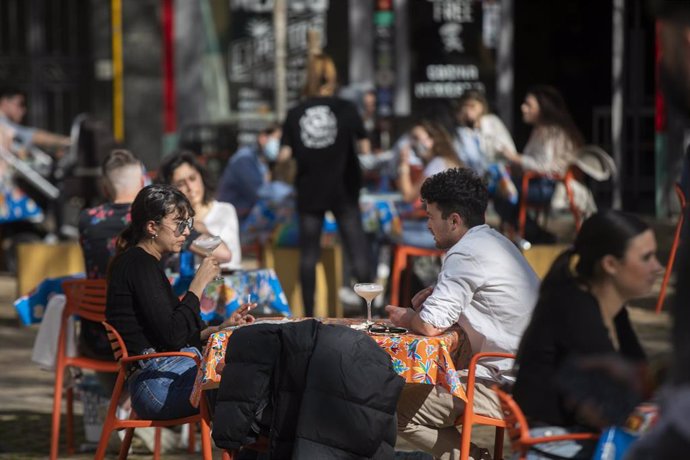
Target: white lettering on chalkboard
452,10
451,72
450,36
430,89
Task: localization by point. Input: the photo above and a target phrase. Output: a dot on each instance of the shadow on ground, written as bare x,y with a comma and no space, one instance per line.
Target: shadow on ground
25,434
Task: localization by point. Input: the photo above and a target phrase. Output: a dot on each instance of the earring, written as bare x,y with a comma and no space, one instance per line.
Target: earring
154,236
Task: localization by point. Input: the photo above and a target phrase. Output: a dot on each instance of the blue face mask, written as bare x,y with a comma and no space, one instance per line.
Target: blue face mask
271,149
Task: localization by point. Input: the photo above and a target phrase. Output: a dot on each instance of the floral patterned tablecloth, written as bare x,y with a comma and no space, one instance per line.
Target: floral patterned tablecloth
222,297
416,358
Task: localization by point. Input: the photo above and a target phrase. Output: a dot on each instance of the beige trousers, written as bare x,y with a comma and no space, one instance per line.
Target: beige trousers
427,416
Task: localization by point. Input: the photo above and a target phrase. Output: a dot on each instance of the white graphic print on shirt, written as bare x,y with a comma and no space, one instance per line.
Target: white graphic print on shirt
319,127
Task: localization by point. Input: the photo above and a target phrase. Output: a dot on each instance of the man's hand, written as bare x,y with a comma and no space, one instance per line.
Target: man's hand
409,319
401,317
420,297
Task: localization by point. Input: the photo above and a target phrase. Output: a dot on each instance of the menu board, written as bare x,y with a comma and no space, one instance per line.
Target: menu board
251,53
452,44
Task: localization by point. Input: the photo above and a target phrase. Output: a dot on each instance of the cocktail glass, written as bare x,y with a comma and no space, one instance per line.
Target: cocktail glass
368,291
208,244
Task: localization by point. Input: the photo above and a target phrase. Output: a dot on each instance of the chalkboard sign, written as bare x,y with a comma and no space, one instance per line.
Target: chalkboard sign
251,53
452,44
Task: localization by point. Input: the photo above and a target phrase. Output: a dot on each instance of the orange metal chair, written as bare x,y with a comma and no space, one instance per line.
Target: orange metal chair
469,418
85,299
522,210
518,429
113,423
674,249
401,254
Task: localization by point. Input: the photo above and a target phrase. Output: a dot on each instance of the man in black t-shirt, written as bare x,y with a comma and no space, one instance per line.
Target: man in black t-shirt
98,230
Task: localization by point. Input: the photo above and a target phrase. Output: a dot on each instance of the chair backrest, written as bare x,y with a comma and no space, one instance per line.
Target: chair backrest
85,298
116,342
518,429
593,161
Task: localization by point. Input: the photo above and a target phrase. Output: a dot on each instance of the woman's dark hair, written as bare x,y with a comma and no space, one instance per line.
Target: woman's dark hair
178,158
554,111
604,233
153,202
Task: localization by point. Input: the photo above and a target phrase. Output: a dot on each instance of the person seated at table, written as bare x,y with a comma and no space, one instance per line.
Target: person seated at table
433,145
99,227
480,136
98,230
183,171
143,308
550,150
485,286
248,170
581,312
12,111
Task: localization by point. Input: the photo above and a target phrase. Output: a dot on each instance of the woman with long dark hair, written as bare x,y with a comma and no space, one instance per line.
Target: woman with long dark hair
551,148
321,133
581,312
143,308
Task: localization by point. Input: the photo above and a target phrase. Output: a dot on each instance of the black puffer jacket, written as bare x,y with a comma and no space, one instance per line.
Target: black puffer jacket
323,391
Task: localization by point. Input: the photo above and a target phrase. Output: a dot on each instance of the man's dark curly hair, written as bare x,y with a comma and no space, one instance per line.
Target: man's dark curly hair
458,190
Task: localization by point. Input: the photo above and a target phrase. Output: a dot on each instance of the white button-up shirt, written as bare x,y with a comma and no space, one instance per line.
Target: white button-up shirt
489,289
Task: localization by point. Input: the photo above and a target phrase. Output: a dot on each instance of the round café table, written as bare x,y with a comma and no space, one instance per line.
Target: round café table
416,358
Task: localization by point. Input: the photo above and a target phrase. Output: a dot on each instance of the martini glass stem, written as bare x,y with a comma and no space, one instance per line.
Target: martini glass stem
369,321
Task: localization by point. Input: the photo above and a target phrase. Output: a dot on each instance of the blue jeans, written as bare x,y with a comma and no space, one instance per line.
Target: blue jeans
539,192
160,389
575,450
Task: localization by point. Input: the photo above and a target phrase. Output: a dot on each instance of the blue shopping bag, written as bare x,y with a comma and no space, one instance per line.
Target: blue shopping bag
614,443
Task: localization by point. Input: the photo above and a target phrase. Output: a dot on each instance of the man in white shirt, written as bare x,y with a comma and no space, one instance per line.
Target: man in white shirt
485,286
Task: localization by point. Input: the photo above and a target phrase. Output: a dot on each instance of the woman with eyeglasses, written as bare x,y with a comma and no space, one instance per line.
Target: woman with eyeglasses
143,308
212,217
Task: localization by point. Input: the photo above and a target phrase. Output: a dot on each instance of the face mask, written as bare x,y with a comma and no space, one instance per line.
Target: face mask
271,149
420,150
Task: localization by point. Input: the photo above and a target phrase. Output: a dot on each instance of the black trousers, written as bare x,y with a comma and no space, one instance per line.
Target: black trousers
354,242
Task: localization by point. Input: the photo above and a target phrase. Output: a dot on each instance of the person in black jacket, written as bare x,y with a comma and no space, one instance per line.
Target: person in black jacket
321,391
581,313
143,308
